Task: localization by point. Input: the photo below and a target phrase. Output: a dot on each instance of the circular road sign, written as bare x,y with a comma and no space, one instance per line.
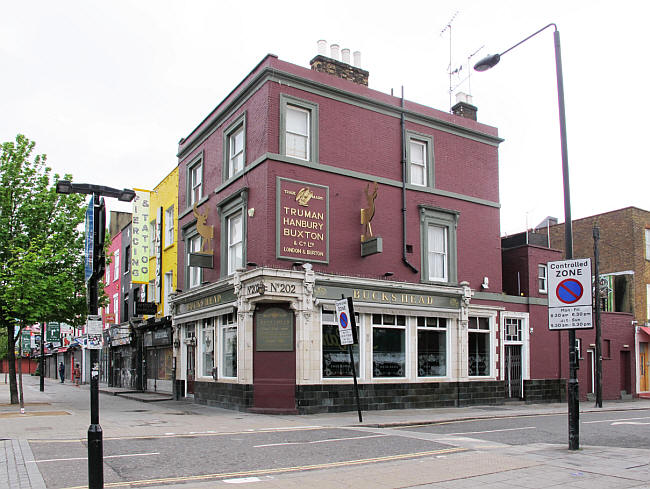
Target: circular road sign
569,291
343,319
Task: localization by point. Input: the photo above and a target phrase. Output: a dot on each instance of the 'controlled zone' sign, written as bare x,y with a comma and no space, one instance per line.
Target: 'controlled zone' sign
569,294
346,321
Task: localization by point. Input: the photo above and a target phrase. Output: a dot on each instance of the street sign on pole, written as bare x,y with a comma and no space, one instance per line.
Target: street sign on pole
90,235
345,322
569,294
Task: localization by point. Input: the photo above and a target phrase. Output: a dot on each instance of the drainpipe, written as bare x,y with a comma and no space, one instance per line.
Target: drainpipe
403,126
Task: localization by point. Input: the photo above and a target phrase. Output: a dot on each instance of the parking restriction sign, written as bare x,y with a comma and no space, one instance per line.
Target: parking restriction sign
569,294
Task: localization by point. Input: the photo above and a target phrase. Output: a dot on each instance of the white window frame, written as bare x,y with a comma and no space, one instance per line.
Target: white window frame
233,245
195,185
227,321
306,137
542,278
647,244
437,328
194,274
205,325
116,307
116,270
108,275
407,352
168,284
418,168
437,253
525,342
169,226
491,349
152,238
235,154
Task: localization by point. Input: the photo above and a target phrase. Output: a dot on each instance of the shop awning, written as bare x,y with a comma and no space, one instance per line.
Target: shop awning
645,329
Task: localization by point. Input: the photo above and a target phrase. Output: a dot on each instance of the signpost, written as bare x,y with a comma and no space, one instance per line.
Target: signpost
348,336
569,298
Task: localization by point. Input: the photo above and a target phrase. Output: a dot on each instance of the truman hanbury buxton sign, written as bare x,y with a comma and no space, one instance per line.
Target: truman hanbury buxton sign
302,217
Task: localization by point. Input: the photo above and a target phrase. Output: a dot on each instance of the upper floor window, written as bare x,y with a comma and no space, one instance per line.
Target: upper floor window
438,236
169,226
419,158
108,275
116,271
127,256
233,231
235,242
194,274
235,147
647,244
542,278
299,128
152,238
195,182
168,281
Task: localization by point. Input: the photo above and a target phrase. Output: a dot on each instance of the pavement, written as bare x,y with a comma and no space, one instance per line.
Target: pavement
62,412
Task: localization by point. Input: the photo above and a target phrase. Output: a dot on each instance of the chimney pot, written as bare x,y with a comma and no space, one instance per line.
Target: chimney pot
335,51
345,53
357,59
464,107
322,47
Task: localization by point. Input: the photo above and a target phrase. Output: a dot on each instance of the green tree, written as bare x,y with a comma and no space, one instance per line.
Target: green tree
41,247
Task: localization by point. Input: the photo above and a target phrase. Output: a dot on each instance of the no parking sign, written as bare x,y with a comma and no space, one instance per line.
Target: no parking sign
569,294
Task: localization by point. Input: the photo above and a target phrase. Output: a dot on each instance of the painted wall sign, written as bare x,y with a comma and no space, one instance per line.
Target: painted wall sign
140,251
274,330
387,297
302,221
207,301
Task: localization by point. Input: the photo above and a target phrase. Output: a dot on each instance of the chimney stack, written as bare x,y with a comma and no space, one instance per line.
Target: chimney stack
464,107
341,69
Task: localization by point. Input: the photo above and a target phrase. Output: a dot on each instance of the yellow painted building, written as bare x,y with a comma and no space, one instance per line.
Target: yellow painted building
157,333
163,218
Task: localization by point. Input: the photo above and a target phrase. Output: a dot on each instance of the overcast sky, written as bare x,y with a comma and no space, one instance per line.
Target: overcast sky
107,89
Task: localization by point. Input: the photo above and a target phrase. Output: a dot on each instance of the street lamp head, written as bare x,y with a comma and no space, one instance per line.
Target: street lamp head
488,62
64,187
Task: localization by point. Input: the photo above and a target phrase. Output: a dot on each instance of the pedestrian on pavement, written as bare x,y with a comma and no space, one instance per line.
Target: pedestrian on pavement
76,373
62,371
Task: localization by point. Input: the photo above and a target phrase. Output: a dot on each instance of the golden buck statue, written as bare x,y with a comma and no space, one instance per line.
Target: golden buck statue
367,213
206,232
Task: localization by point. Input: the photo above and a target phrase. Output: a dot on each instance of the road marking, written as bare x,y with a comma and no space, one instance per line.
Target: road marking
185,435
491,431
629,422
257,472
242,480
611,420
86,458
317,441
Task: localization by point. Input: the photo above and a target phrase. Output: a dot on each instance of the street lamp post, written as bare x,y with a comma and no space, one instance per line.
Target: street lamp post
485,64
95,436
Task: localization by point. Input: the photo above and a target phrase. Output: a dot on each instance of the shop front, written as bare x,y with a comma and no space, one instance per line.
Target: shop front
157,354
123,358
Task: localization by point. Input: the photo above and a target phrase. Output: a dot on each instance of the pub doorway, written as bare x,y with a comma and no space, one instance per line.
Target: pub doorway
274,359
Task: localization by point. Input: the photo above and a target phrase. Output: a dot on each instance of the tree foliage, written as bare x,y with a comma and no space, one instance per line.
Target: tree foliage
41,246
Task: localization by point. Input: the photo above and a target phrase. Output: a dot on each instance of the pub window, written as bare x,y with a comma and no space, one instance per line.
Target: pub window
336,358
388,345
478,343
432,346
228,325
207,347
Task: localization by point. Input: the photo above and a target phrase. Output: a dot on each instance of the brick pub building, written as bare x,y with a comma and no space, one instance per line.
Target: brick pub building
304,185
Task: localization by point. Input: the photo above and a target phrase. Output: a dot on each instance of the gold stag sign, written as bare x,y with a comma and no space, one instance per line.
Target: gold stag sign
302,217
